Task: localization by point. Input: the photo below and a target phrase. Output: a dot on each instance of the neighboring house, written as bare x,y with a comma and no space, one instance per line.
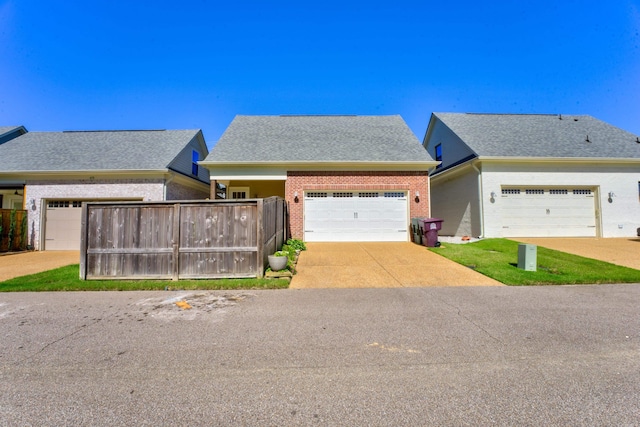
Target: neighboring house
51,173
513,175
345,178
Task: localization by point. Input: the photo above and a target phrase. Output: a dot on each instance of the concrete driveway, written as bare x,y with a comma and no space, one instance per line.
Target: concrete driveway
24,263
380,265
620,251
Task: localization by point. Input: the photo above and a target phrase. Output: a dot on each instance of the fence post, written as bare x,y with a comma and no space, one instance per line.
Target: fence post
260,239
175,235
83,242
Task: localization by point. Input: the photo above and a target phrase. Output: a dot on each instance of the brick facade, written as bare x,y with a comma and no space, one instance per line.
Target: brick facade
411,182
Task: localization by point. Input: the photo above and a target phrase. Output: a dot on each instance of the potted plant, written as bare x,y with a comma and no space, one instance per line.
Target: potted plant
278,261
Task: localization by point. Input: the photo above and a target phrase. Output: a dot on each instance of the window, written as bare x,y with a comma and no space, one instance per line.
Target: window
510,191
439,154
195,156
238,192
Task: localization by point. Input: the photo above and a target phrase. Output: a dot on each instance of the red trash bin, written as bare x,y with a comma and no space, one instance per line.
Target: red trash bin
430,227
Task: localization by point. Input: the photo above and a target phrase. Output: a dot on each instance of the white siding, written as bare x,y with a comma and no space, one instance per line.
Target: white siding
618,218
182,162
453,149
456,201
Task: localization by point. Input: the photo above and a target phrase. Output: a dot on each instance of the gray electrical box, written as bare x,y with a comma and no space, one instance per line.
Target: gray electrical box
527,257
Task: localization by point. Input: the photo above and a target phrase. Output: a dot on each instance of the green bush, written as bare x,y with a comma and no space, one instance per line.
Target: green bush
297,245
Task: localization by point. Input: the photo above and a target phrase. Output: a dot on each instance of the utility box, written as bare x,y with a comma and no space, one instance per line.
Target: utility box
527,257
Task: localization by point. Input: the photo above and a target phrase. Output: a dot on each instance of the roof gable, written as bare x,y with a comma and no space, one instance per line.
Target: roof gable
540,136
93,150
290,139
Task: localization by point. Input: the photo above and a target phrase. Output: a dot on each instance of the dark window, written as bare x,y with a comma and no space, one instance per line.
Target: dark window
439,154
195,156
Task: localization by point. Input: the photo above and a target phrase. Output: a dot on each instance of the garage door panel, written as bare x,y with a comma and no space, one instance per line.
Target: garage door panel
62,226
537,212
355,216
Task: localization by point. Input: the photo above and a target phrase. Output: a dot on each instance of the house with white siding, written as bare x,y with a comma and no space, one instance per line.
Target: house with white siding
533,175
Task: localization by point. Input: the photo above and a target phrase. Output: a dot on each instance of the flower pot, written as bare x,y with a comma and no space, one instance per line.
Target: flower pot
278,263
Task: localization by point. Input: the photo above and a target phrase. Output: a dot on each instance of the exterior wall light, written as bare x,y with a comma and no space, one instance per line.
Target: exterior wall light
295,196
417,197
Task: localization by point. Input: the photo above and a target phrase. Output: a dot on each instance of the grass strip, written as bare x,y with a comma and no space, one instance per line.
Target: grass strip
498,259
67,279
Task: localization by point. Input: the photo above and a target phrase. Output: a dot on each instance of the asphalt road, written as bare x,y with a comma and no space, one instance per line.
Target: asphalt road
412,356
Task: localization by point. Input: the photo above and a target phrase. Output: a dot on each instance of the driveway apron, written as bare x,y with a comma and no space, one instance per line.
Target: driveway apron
24,263
623,251
380,265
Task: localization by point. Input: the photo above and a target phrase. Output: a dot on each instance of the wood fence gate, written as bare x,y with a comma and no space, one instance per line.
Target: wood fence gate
180,240
13,230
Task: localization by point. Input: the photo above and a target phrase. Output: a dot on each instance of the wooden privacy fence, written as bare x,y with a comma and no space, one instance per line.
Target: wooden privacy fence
180,240
13,230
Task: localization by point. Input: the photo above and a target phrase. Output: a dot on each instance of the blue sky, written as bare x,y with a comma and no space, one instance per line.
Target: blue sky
114,64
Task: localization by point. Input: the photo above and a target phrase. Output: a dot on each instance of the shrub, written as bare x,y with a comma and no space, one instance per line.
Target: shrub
297,245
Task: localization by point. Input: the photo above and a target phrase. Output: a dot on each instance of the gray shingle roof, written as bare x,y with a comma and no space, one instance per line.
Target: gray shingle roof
541,135
7,129
101,150
318,139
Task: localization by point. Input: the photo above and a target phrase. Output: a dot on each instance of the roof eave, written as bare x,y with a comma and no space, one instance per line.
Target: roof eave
502,159
306,164
87,172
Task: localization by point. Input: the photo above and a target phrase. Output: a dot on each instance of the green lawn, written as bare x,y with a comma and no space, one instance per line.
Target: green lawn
66,279
498,259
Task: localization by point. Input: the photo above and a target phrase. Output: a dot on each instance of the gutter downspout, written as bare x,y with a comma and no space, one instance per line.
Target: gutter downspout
481,199
429,191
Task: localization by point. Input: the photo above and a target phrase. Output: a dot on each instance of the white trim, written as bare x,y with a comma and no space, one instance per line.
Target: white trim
319,166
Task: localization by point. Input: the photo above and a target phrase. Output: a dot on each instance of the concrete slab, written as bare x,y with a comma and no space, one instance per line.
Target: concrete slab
620,251
24,263
380,265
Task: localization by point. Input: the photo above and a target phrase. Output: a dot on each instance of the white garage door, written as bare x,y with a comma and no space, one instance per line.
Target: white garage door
543,212
62,225
355,216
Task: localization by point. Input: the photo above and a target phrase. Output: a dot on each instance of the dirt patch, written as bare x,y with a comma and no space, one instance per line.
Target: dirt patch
25,263
189,305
